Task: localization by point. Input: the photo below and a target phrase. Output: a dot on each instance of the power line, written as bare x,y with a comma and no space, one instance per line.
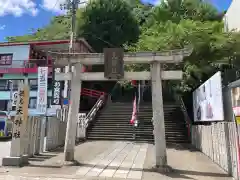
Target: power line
57,1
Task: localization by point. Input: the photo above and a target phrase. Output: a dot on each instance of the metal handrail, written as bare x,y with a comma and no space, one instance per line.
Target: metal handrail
185,113
93,112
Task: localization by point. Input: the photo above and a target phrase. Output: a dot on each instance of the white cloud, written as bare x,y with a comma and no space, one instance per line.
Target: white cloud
2,27
18,7
54,5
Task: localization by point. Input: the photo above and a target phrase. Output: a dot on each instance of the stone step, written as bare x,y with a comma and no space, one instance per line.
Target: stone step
125,137
127,122
138,139
113,123
172,133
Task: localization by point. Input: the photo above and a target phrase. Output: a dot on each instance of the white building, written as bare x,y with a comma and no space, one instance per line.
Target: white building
232,17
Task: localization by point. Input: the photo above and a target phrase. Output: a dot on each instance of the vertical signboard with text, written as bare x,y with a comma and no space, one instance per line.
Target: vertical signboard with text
56,88
113,63
42,90
19,123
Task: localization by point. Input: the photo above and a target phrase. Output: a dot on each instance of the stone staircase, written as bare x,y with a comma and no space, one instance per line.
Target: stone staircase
112,123
175,126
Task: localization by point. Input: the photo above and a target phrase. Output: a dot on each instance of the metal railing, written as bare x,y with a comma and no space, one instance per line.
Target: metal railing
93,112
91,93
185,113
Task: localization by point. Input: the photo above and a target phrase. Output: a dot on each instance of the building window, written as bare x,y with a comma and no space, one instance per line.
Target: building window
33,84
49,101
32,103
6,59
3,105
14,84
3,84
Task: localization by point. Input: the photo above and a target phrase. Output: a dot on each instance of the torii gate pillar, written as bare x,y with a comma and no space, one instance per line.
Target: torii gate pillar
158,115
74,105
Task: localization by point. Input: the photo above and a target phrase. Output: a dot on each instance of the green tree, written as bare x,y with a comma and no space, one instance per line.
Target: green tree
176,10
177,24
107,23
141,11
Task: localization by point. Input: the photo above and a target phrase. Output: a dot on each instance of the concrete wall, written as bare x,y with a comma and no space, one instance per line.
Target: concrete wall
219,142
20,54
231,18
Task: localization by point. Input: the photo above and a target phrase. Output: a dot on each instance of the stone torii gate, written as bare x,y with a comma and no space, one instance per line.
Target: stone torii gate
156,75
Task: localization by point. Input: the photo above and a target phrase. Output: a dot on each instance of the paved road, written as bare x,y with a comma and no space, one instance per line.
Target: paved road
109,160
122,160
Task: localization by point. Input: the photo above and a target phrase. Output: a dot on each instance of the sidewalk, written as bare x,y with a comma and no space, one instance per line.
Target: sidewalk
116,160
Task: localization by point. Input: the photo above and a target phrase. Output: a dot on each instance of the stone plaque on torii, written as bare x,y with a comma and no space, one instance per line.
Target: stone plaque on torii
156,75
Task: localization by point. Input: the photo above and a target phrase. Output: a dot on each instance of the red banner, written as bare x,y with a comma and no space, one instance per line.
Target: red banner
132,121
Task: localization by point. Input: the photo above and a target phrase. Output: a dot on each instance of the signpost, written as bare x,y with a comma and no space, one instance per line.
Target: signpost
42,100
57,86
19,134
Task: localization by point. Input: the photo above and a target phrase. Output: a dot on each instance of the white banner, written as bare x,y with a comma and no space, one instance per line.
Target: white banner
14,98
42,90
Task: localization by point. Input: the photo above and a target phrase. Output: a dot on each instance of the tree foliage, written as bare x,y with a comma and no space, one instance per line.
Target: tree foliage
108,24
175,24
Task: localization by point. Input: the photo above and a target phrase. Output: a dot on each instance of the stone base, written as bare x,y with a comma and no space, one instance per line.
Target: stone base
15,161
81,139
163,169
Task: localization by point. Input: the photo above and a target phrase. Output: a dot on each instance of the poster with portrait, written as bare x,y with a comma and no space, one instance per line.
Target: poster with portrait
208,100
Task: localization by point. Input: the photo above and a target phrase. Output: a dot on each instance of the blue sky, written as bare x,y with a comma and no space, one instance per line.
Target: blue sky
18,17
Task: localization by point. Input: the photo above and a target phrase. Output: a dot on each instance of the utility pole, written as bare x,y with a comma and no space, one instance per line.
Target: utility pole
72,6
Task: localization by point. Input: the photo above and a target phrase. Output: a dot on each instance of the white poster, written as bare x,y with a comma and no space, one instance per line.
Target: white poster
14,98
42,90
208,100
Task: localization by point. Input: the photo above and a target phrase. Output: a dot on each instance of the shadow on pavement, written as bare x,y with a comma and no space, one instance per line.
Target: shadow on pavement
41,157
176,173
5,139
183,147
173,173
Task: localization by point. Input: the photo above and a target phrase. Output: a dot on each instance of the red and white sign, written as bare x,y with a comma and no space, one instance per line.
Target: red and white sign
42,90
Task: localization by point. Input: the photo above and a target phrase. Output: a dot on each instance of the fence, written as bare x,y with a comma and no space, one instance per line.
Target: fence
37,142
81,129
56,131
219,142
